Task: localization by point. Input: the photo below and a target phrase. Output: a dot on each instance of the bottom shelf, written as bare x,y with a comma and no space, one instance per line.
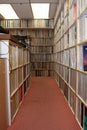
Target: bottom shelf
77,106
42,73
14,104
17,98
81,114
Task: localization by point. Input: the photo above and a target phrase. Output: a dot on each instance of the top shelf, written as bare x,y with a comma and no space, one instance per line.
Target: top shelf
29,28
10,37
27,23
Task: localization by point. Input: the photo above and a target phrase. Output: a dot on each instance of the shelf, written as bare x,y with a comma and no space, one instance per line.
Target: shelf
15,72
27,23
81,71
81,100
42,69
19,66
45,45
82,43
82,13
14,115
70,39
39,53
42,61
30,28
66,83
70,26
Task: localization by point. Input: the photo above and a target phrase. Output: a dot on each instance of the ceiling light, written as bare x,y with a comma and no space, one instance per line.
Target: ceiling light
40,11
7,11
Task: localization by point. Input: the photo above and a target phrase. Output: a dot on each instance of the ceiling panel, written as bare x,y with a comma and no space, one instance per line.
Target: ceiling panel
13,1
43,1
23,10
52,11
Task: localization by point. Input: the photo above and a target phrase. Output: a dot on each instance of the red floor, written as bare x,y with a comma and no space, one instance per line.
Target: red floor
44,108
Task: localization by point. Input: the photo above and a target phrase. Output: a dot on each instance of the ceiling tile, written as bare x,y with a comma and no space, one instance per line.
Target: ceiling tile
43,1
13,1
23,10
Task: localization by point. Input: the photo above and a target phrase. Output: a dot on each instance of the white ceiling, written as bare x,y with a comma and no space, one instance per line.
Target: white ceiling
23,7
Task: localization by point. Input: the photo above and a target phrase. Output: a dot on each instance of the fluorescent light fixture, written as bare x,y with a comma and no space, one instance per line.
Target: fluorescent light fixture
40,10
7,11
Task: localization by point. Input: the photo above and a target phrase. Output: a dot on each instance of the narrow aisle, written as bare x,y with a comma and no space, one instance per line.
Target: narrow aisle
44,108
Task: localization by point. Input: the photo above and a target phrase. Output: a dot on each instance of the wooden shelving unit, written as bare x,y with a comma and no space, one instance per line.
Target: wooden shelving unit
70,56
27,23
18,72
42,53
41,32
3,98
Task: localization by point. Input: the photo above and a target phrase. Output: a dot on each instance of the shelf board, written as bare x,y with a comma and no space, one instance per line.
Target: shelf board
44,45
74,46
42,61
29,28
82,13
42,69
81,71
24,80
9,37
15,113
42,37
66,83
77,95
13,93
82,43
41,53
65,31
19,66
